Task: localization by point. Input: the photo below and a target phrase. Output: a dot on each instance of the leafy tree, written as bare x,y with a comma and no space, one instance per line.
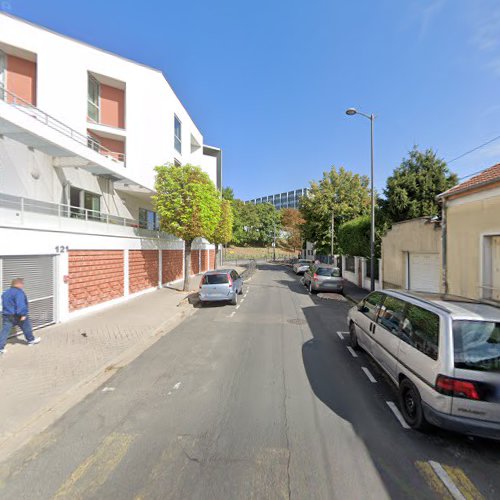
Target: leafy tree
342,192
412,188
292,221
188,204
228,193
224,231
268,224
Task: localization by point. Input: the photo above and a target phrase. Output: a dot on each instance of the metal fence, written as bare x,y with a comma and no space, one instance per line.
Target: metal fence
350,263
368,269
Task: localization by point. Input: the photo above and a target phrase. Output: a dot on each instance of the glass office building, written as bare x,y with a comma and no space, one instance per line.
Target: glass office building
283,200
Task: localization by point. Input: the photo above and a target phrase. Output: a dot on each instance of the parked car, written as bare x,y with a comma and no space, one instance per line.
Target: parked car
323,277
301,266
443,354
222,285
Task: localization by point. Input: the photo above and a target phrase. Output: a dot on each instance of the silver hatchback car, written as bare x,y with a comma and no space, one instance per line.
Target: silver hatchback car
324,277
221,285
443,354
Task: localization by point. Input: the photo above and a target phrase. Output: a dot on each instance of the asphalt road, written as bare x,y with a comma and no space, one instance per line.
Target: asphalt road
262,401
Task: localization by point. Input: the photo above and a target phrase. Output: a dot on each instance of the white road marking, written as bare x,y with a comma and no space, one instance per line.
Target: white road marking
368,373
108,389
242,300
397,414
341,335
232,314
238,306
176,386
352,351
447,481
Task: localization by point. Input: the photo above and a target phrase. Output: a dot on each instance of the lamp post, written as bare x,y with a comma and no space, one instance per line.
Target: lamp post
351,112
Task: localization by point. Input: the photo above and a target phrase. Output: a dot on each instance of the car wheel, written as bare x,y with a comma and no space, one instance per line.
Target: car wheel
353,337
234,300
311,290
202,303
241,290
411,405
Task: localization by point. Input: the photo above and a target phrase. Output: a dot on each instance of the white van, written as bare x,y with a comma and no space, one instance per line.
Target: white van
443,354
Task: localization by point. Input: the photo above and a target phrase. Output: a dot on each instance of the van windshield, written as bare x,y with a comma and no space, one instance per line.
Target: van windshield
215,279
477,345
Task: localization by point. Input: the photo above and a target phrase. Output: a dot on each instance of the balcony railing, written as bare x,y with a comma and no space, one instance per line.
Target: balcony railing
55,124
27,205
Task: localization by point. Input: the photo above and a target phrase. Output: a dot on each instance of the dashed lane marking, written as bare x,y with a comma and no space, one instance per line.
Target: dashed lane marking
108,389
446,480
368,373
397,414
352,351
341,335
176,386
242,300
231,315
91,474
238,306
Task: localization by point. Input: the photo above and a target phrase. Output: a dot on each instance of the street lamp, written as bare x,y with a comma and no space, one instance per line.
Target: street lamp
352,112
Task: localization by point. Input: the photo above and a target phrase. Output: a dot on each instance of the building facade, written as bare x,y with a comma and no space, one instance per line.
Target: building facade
471,237
81,131
289,199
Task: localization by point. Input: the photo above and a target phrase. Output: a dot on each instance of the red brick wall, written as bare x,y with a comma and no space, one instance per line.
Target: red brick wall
95,276
211,259
204,261
143,268
171,265
195,262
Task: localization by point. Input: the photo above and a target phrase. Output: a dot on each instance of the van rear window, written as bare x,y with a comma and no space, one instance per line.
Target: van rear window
477,345
215,279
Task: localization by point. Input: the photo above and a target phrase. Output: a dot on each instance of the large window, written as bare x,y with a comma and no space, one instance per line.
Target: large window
420,329
177,134
93,100
391,314
148,219
84,204
371,305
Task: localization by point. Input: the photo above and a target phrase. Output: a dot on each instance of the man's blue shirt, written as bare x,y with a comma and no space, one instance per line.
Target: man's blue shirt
14,302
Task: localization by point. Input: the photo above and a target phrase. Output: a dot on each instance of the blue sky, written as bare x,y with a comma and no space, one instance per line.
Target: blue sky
269,81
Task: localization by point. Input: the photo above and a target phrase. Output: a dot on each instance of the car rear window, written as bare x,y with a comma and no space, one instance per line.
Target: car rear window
477,345
326,271
215,279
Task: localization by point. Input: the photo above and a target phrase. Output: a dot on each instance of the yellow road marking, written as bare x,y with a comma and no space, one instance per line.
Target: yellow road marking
94,471
464,484
433,480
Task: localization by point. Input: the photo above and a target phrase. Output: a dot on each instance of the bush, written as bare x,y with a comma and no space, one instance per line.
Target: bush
354,237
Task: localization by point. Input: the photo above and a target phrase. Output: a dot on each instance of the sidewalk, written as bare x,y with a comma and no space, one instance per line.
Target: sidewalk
354,292
40,383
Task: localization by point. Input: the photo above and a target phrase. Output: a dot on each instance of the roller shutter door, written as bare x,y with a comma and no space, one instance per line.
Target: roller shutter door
424,272
38,273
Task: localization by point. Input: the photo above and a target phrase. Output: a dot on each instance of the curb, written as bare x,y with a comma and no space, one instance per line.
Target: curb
48,414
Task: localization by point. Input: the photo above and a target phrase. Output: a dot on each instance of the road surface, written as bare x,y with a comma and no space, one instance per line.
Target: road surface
258,401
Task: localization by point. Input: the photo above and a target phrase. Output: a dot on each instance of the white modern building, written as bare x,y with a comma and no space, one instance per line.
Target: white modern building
81,131
288,199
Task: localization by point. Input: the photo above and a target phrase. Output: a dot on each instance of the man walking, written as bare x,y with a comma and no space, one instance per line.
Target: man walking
15,313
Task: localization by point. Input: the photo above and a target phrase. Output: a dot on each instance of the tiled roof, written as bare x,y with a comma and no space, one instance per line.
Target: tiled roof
487,176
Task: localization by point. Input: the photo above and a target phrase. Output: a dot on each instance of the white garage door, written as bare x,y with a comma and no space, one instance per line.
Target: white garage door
423,272
38,274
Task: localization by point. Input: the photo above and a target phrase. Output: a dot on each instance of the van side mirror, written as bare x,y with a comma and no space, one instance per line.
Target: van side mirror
362,308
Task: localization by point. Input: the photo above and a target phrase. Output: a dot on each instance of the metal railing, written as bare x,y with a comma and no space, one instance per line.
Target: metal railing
22,205
55,124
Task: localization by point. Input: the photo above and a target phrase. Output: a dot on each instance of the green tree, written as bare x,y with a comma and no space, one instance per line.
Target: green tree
268,224
224,231
341,192
412,188
188,204
228,193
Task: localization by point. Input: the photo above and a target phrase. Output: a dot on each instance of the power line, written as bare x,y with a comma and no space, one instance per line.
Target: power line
475,149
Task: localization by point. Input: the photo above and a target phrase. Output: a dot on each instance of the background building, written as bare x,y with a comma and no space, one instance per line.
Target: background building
81,131
289,199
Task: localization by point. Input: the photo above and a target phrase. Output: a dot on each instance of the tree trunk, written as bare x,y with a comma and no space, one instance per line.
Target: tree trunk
187,264
216,256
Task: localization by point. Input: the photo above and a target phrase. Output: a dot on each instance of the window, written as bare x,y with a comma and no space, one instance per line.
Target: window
327,271
477,345
215,279
93,100
148,219
84,204
420,329
371,305
177,163
177,134
391,314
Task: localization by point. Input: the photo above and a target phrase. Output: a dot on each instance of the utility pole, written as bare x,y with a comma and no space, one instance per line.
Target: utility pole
332,233
274,242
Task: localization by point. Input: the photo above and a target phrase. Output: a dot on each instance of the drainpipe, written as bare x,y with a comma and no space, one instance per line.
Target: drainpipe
444,230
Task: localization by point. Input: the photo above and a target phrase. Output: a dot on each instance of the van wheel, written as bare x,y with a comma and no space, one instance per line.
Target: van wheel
353,337
234,300
411,405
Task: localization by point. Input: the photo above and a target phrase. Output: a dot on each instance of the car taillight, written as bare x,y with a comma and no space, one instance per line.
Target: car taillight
457,388
230,281
315,277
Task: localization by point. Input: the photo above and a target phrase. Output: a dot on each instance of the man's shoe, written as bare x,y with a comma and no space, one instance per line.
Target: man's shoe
36,340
